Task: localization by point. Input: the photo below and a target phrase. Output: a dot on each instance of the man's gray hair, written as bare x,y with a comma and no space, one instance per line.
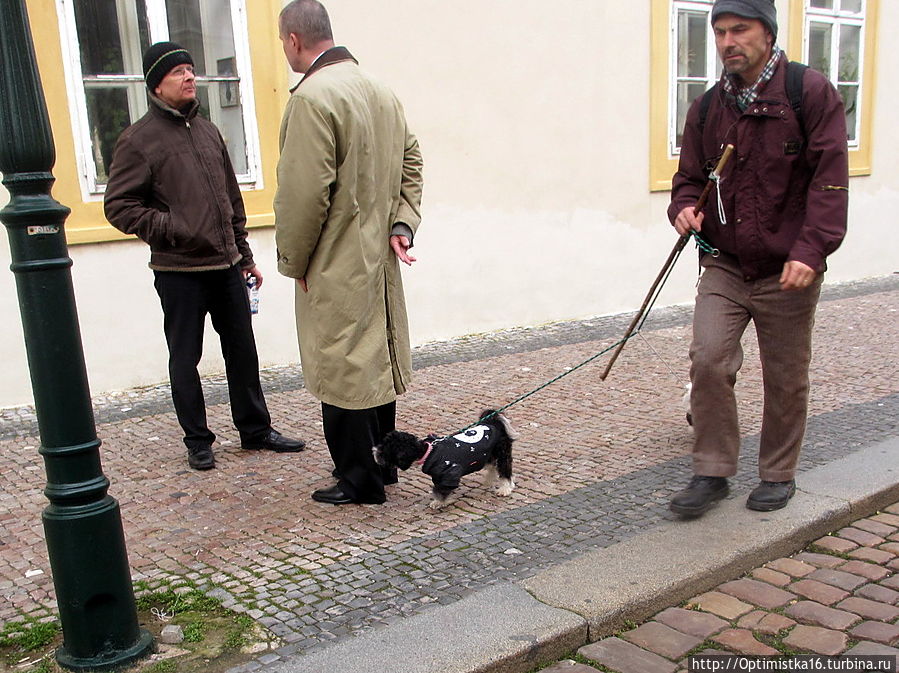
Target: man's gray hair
308,19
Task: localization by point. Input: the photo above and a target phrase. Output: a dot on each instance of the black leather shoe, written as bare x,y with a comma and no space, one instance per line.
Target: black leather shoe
771,495
275,441
332,496
200,457
701,493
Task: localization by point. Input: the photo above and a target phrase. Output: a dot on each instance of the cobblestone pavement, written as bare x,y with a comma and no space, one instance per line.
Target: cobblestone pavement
840,596
596,464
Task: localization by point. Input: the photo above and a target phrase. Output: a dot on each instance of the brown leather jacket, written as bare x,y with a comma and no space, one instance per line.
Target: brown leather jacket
785,189
171,183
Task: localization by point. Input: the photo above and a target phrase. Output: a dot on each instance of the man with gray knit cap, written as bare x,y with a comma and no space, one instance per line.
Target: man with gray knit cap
172,185
779,210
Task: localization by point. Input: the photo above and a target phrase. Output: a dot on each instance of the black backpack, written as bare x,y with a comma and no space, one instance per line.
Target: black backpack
795,73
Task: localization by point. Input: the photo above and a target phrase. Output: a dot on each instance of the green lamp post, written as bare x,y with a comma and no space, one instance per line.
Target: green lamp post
82,523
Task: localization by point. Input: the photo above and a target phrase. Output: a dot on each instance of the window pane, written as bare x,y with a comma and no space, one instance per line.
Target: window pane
823,4
819,47
851,6
692,36
687,92
850,101
107,114
204,28
850,48
230,123
100,29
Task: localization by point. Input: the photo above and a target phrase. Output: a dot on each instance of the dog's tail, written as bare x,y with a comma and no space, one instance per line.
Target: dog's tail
493,413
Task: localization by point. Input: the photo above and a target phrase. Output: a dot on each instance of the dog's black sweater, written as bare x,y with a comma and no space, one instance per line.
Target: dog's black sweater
451,458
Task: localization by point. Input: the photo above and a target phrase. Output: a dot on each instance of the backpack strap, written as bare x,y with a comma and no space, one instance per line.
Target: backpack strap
795,73
704,105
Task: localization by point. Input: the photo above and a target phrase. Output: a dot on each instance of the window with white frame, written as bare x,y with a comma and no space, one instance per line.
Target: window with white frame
834,45
103,46
694,62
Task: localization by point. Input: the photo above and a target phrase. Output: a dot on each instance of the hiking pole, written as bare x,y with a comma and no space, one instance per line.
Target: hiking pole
672,258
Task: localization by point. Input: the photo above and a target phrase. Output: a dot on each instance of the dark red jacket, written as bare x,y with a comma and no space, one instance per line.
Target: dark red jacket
785,191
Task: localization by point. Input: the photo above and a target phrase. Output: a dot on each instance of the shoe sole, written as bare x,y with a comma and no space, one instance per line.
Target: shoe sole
202,466
693,512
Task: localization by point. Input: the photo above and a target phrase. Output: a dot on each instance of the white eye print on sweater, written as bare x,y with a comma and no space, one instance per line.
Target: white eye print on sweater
472,435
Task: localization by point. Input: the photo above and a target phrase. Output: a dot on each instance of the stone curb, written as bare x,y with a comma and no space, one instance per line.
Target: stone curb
515,627
682,559
501,629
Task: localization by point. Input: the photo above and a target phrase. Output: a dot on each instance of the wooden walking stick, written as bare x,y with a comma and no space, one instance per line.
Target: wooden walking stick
675,253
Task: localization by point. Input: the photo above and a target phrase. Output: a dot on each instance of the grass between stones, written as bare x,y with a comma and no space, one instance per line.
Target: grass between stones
215,638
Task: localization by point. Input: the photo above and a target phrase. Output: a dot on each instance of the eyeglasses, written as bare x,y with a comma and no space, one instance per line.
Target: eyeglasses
181,71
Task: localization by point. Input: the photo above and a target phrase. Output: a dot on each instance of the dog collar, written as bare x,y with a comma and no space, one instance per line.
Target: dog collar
421,460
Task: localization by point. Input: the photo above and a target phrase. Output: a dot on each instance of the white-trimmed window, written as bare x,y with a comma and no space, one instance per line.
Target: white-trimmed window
694,62
834,44
103,46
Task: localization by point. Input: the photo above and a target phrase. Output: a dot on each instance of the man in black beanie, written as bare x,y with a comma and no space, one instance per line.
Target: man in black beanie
779,209
171,184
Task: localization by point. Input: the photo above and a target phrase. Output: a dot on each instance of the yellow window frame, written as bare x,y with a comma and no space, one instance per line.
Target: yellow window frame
87,223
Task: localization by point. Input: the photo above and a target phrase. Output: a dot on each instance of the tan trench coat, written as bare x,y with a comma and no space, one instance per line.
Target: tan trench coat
349,171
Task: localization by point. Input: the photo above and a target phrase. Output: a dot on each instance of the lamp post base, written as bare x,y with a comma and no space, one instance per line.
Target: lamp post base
105,662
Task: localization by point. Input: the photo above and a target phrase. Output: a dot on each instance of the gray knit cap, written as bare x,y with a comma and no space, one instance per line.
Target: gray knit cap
763,10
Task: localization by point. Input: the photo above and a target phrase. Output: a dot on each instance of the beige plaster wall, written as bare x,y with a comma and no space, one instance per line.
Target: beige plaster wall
533,120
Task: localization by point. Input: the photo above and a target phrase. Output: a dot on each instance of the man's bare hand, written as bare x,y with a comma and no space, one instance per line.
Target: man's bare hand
255,273
401,245
796,276
686,221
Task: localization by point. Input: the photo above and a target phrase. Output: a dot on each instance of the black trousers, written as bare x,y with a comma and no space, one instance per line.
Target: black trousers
351,434
187,297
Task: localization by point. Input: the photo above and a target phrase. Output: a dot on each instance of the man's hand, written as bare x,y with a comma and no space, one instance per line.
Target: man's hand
401,245
686,221
256,273
796,276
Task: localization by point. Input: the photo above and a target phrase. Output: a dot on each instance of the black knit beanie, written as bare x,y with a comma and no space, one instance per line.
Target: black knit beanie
160,58
763,10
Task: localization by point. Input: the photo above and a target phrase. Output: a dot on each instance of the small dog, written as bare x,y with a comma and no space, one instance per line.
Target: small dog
447,459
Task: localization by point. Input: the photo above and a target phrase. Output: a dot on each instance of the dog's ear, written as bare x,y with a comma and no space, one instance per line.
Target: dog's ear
401,449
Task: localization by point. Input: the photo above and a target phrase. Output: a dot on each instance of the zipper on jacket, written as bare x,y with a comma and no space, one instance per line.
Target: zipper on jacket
205,170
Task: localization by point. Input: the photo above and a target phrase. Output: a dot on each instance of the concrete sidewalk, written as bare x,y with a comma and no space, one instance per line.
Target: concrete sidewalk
489,584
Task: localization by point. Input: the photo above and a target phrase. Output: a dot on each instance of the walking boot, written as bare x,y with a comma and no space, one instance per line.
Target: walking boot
771,495
701,493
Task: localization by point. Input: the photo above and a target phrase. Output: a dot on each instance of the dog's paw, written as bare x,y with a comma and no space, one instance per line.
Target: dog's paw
504,487
437,504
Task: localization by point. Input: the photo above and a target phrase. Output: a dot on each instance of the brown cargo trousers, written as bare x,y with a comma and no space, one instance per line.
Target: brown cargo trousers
725,303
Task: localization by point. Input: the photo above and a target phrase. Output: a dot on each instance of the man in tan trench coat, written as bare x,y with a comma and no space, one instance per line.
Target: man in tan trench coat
346,209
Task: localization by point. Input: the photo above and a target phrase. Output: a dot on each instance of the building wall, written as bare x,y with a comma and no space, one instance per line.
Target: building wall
533,119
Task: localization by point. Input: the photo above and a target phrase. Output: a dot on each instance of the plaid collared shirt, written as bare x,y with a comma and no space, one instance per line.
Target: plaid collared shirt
746,97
